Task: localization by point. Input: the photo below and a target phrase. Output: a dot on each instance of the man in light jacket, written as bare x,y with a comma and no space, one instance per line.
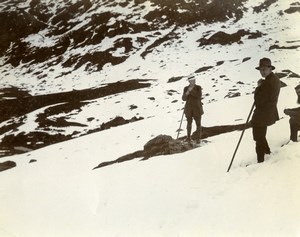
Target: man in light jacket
192,94
265,100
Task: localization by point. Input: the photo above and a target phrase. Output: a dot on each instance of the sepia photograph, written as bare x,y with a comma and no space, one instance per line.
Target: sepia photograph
149,118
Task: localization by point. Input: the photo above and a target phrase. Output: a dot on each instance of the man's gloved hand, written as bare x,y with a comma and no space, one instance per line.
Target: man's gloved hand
189,90
260,81
286,111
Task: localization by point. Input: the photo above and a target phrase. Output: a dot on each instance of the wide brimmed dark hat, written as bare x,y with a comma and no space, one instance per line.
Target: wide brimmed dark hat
265,62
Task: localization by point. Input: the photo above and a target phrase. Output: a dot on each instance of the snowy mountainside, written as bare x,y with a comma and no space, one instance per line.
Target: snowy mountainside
187,194
121,96
70,68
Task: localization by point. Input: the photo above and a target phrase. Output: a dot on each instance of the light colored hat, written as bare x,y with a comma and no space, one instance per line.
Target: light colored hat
191,77
265,62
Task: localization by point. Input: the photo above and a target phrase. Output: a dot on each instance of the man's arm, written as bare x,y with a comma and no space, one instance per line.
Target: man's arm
184,95
294,112
196,92
266,94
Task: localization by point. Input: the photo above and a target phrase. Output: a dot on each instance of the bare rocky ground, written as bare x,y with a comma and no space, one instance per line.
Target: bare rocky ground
166,145
21,103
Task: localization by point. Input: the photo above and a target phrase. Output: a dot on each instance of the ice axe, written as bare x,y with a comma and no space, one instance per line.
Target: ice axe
178,131
240,137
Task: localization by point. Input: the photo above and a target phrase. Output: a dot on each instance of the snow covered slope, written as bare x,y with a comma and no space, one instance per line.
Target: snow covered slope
59,83
187,194
220,42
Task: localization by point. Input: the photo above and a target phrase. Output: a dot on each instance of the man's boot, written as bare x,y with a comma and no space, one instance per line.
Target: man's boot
260,151
260,158
294,133
198,132
267,149
188,137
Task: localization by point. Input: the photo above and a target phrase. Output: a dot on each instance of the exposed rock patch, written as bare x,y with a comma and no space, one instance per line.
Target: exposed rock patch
16,25
15,104
118,121
62,24
264,5
283,47
166,145
7,165
174,79
25,104
163,145
25,142
203,69
294,7
224,38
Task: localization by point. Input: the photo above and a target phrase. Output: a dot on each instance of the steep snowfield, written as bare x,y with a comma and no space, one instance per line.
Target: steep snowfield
188,194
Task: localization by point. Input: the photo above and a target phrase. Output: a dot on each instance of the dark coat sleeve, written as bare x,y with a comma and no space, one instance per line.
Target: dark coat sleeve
184,96
294,114
265,100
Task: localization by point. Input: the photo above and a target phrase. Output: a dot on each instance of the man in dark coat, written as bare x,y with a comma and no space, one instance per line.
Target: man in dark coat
294,118
265,100
192,94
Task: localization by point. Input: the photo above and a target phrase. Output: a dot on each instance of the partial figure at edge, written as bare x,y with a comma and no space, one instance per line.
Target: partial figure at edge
294,114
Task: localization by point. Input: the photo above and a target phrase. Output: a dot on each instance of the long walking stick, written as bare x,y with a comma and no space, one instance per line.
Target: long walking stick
178,131
240,137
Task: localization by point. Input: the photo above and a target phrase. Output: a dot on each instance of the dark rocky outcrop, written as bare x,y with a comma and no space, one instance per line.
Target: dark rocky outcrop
160,145
203,69
264,6
16,25
24,142
294,8
16,104
62,23
224,38
275,46
118,121
25,104
166,145
7,165
193,11
174,79
163,145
